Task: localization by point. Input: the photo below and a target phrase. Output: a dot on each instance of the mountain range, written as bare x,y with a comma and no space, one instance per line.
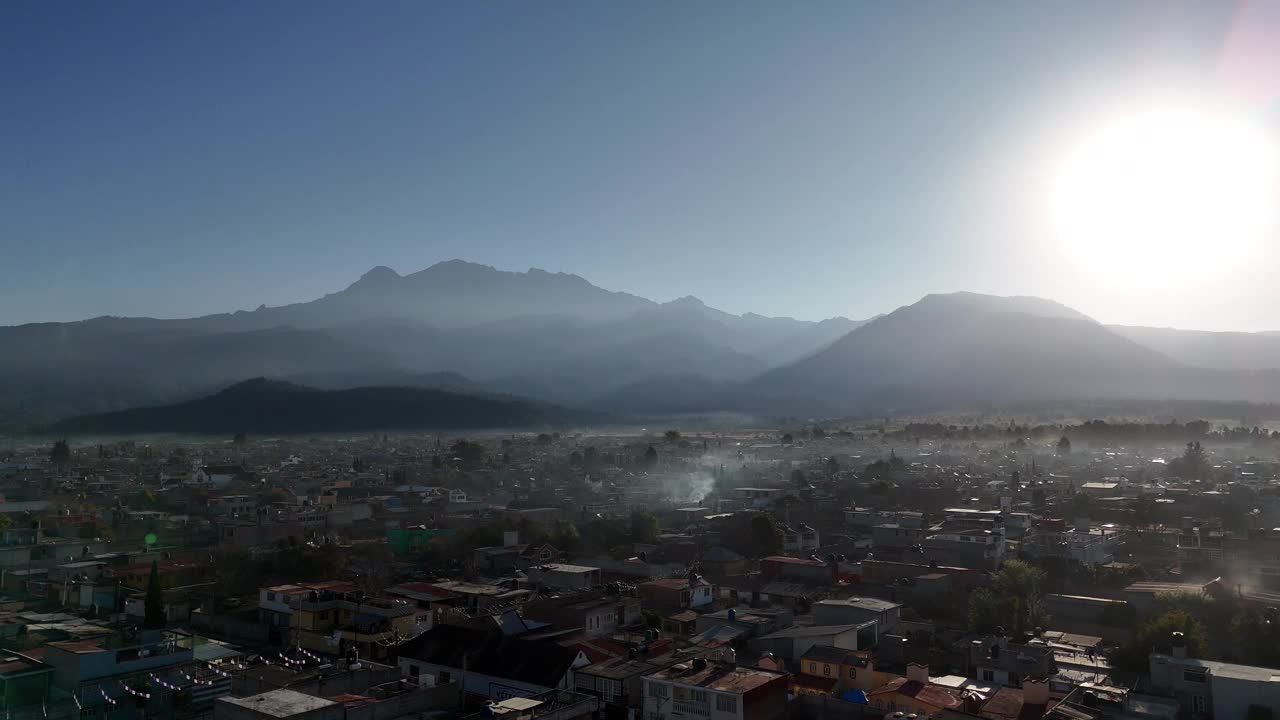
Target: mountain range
556,338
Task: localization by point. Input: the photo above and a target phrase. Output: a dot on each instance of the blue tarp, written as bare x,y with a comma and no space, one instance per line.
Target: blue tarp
855,696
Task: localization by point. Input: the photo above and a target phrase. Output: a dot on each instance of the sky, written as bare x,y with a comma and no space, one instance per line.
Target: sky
172,159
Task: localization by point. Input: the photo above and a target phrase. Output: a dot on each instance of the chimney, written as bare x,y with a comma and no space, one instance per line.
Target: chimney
1179,643
1035,692
918,673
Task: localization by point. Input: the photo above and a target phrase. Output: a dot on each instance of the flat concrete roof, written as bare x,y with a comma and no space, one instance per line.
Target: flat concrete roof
281,703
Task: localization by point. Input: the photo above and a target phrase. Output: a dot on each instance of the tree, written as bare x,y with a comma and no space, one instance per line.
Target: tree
766,534
985,612
644,527
1015,481
798,479
60,453
1038,498
1192,464
752,534
564,535
1156,635
787,439
153,605
833,465
1257,636
239,439
650,457
1064,445
672,436
1019,585
467,452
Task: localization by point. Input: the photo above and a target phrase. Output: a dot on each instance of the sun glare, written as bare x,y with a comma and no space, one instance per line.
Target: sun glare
1167,198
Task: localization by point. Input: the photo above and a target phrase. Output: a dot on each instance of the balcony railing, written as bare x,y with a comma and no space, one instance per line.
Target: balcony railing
689,708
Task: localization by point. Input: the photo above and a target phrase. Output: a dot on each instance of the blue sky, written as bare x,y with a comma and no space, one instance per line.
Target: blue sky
815,159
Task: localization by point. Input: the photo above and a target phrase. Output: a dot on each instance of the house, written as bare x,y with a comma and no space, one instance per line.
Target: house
619,682
327,617
24,682
797,569
793,642
725,691
563,575
234,505
1030,702
216,476
828,670
1208,689
280,704
997,660
489,664
801,539
720,561
857,610
913,694
676,593
594,613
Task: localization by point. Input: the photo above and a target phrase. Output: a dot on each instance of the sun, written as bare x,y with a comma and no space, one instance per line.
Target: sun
1166,197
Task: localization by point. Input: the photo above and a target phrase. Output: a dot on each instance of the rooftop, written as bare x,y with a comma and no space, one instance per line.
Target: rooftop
722,678
281,703
864,603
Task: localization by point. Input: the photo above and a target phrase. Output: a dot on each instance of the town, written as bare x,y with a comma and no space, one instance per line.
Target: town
994,569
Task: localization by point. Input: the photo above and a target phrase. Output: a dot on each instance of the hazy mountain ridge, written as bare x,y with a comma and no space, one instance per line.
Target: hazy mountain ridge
268,406
463,327
553,335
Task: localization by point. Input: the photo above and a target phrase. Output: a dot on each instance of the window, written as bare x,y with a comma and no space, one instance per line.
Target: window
698,696
826,669
1198,703
415,671
1195,676
853,673
727,703
988,675
657,690
813,668
442,678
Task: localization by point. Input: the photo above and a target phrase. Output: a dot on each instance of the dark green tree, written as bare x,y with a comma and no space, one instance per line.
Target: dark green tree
798,479
650,457
239,439
60,454
153,605
671,436
1064,445
1156,635
564,535
644,527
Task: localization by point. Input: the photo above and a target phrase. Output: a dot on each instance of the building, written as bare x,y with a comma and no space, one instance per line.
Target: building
563,575
997,660
913,694
966,547
24,682
859,610
793,642
676,593
594,613
279,704
1208,689
719,691
828,670
489,665
333,616
801,539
